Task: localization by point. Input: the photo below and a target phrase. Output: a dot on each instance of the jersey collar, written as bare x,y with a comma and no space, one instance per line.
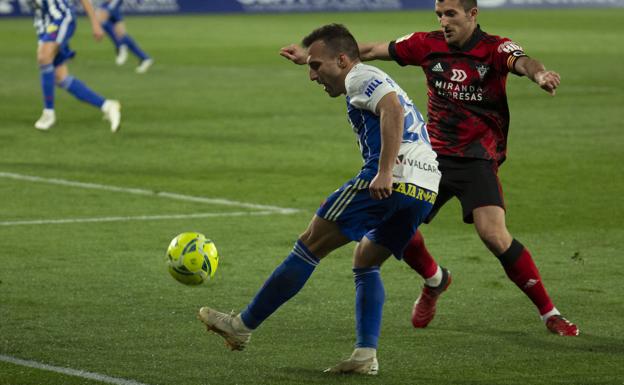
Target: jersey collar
472,42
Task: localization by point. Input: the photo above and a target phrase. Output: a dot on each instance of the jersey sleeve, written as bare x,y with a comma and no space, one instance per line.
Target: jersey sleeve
506,54
365,88
410,49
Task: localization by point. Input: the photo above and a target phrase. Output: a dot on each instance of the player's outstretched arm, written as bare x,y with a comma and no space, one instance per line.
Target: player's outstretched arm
98,32
295,54
535,70
391,120
374,51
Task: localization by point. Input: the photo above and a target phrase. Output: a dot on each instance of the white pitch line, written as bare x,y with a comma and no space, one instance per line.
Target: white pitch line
70,371
138,218
138,191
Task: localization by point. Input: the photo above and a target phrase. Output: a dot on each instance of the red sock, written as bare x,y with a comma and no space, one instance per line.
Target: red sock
418,258
521,269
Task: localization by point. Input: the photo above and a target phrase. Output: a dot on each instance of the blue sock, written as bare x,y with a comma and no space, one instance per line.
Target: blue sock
133,46
369,300
109,28
47,85
286,281
81,91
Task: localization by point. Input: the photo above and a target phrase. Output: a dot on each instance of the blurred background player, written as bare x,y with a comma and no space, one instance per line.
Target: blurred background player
466,71
55,23
110,16
381,207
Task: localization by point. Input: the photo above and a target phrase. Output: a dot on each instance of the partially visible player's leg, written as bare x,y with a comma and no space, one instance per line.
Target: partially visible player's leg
437,279
110,108
519,266
321,237
389,236
77,88
125,40
369,300
103,17
46,51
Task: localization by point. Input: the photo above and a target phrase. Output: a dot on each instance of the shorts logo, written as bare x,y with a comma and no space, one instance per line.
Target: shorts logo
411,190
458,75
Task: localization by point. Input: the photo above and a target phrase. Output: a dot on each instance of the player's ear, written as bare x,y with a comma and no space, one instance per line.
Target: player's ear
342,61
474,11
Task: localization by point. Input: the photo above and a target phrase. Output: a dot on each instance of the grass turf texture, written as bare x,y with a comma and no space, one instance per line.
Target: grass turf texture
222,115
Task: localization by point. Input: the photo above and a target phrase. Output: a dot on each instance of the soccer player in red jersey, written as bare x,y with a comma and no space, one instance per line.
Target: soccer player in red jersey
466,71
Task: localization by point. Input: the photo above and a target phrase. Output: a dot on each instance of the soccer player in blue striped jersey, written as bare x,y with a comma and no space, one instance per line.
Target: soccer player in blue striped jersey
55,23
109,14
381,207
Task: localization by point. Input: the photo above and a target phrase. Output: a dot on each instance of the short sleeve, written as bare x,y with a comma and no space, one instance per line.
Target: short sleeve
366,87
410,49
506,54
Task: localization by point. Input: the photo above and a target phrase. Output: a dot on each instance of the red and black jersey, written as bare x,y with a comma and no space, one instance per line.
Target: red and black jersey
468,112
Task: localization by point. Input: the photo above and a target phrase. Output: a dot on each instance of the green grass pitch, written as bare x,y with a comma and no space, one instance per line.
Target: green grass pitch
221,115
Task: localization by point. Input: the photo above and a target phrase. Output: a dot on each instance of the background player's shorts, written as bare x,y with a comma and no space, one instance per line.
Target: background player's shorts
113,8
60,32
473,181
389,222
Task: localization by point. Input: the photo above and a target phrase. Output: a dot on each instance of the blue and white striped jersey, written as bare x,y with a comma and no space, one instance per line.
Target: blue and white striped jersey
417,163
51,11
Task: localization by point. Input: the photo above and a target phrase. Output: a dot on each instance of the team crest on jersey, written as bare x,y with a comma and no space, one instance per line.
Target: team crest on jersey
483,70
509,47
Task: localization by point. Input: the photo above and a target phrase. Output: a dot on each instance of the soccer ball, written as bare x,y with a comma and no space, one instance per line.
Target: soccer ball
192,258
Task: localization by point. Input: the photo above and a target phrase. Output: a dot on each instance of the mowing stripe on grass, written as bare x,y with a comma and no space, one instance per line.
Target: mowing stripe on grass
138,218
69,371
138,191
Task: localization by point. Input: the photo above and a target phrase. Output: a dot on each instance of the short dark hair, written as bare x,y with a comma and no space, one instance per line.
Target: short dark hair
467,4
337,38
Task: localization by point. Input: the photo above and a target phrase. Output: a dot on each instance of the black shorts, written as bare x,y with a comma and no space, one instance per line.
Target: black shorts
473,181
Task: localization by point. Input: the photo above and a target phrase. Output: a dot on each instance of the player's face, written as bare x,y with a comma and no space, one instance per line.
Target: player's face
457,24
325,69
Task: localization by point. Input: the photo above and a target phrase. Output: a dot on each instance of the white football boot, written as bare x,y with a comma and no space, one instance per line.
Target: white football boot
362,361
228,326
144,66
112,113
47,120
122,55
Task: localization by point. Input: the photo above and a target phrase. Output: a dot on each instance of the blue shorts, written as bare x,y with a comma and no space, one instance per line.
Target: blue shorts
389,222
60,31
113,8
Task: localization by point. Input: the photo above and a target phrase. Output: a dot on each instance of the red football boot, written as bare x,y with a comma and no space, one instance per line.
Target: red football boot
425,306
559,325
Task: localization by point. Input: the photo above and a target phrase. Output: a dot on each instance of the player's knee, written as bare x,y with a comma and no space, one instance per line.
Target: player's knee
60,80
496,240
417,242
44,58
369,254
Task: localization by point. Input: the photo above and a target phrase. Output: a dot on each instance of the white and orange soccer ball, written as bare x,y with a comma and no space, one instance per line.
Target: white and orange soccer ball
192,258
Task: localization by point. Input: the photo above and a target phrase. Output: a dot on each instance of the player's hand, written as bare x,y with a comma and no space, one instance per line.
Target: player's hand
381,186
295,54
98,32
548,81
